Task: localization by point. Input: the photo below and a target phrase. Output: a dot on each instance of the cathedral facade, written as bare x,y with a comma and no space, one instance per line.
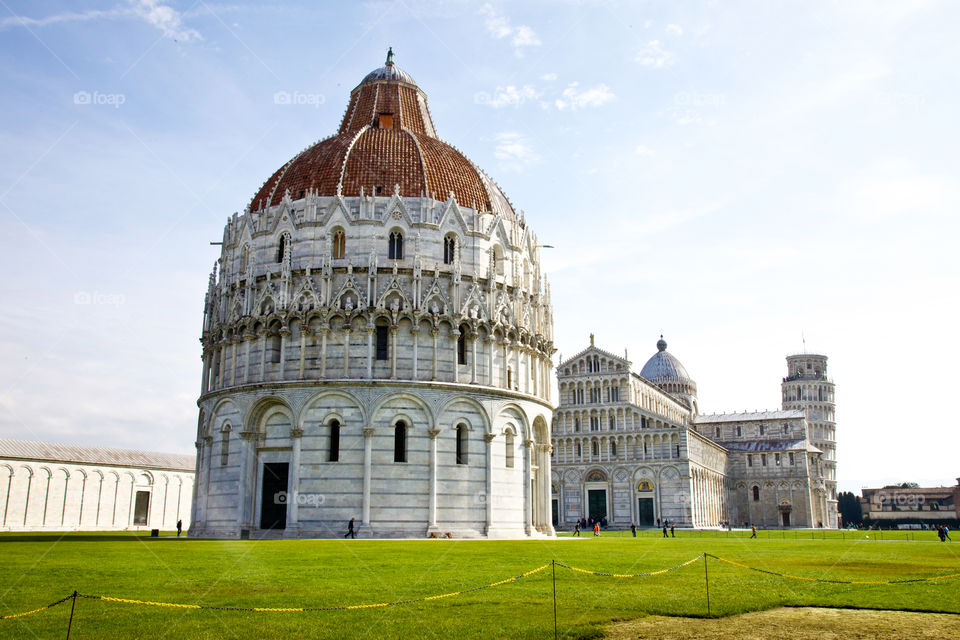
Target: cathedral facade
633,448
377,342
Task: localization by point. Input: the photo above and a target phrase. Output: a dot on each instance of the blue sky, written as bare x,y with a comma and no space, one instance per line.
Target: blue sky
736,175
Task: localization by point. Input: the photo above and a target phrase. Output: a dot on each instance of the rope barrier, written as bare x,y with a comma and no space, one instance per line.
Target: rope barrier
630,575
30,613
827,581
305,609
516,578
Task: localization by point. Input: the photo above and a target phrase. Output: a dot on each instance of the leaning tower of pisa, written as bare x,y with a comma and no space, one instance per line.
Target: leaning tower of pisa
808,387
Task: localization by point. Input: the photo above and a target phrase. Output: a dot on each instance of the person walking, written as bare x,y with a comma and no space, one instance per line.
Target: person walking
633,529
946,533
753,531
351,532
940,534
665,530
596,528
672,535
179,527
576,529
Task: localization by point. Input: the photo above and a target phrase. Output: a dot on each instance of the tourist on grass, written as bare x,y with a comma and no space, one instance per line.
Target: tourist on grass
576,529
633,529
940,534
179,527
350,530
672,535
753,531
946,533
596,528
665,530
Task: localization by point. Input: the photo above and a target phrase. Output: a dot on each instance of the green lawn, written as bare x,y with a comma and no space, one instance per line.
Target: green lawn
39,569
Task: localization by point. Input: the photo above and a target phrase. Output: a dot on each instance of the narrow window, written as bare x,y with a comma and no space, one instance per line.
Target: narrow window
461,444
761,429
383,341
776,459
579,451
333,455
225,446
718,432
791,460
613,422
400,442
508,453
756,493
283,248
244,258
276,344
739,431
763,459
449,249
678,451
749,460
596,448
509,378
396,246
576,424
462,345
613,449
339,248
498,260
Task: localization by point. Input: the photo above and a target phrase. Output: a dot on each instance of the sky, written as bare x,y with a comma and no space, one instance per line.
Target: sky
750,179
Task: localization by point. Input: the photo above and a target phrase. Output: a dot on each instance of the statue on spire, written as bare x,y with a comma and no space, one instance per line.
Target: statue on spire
389,56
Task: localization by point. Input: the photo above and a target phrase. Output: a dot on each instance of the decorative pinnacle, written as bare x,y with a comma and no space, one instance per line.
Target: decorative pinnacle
389,56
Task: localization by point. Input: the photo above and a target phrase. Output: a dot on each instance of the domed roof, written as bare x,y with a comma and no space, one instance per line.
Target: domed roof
663,366
386,141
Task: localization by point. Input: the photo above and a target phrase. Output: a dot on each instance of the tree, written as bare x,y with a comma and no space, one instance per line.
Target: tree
850,509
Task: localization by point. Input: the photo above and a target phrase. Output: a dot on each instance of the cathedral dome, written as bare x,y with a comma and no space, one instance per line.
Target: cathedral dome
663,366
386,143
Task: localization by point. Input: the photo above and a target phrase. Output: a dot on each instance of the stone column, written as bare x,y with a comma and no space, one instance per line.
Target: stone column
246,486
432,514
506,363
367,474
415,332
393,352
370,331
488,502
434,332
516,370
263,356
303,349
293,496
233,360
285,334
223,364
489,346
473,361
346,352
205,382
527,487
247,339
324,332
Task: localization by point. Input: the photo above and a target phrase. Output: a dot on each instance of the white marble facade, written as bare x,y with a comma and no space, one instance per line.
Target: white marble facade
53,487
385,358
632,448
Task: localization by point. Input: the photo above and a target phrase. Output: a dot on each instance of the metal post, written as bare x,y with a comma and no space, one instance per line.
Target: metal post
706,580
554,567
73,607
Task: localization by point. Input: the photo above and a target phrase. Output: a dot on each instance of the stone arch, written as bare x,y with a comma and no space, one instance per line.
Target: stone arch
447,406
541,432
262,409
317,398
513,412
403,415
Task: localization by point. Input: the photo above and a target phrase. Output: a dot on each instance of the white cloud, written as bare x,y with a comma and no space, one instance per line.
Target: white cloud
674,30
892,188
499,27
154,12
509,96
654,56
548,77
165,18
514,151
643,150
575,98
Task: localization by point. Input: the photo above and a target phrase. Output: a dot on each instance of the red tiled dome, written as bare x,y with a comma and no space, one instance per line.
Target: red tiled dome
386,138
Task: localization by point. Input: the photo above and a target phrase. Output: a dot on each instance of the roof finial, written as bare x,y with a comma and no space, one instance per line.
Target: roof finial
591,339
389,56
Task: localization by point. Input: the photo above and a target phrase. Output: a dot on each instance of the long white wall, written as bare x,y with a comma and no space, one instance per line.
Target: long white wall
54,496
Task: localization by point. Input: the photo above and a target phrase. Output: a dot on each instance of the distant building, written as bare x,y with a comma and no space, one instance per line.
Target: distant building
906,505
631,447
58,487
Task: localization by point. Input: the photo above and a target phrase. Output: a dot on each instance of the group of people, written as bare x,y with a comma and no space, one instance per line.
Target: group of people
943,533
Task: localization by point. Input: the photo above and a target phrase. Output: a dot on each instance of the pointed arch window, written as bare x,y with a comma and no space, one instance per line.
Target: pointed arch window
333,453
449,249
508,452
283,247
462,344
395,250
338,248
756,493
497,260
383,342
244,258
400,442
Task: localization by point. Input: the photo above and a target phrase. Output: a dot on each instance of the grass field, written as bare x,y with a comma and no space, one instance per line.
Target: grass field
40,569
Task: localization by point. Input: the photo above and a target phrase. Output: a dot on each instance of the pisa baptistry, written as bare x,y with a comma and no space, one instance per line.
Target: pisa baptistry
377,342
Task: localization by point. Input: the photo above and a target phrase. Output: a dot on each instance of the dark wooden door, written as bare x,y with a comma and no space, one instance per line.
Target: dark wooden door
273,499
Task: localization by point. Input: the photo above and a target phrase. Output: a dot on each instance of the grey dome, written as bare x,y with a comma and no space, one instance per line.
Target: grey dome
663,366
389,72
